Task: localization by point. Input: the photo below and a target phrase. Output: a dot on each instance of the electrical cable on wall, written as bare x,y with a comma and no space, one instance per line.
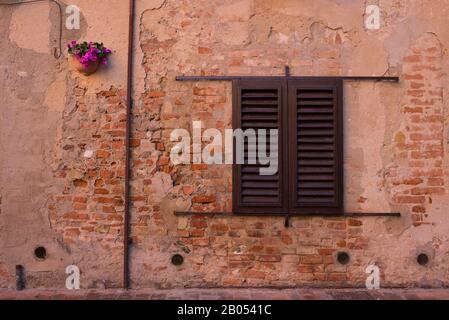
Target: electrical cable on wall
57,53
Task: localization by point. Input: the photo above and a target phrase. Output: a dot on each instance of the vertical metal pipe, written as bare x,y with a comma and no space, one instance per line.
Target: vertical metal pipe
126,238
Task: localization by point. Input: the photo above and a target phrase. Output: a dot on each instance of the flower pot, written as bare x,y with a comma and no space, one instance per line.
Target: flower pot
76,64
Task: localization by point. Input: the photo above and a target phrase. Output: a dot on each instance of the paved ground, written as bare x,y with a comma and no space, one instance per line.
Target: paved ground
233,294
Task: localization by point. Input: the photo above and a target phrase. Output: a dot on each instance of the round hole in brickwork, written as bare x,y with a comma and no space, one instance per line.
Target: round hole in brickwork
343,258
177,259
422,259
40,253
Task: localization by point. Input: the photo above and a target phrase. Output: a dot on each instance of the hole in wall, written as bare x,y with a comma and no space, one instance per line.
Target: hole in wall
343,258
40,253
422,259
177,259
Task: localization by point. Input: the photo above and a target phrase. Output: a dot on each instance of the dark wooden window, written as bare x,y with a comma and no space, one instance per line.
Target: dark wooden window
259,106
315,145
308,116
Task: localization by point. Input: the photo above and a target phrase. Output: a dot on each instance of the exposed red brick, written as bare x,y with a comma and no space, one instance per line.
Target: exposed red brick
80,199
326,251
156,94
204,50
204,199
426,154
269,258
255,233
310,259
413,77
419,209
428,190
256,274
79,206
133,143
208,91
108,209
198,223
198,233
241,257
72,232
188,190
219,227
412,58
337,277
410,199
337,225
201,242
75,216
413,110
435,182
286,238
79,183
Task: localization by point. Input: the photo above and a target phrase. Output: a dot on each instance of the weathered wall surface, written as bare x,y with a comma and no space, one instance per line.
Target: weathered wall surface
62,147
62,151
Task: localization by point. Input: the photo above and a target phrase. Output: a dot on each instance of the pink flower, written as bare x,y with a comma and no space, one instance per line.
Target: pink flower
89,52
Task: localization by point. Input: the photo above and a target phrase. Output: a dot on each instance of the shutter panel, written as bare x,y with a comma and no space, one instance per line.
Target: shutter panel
258,105
316,164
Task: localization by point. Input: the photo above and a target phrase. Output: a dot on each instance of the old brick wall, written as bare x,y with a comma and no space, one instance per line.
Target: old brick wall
395,144
69,198
62,148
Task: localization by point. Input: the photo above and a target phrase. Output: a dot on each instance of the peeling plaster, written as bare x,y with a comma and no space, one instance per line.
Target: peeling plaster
30,27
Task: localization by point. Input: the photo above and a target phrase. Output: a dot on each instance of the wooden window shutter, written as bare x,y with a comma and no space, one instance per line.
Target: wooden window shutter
258,105
315,146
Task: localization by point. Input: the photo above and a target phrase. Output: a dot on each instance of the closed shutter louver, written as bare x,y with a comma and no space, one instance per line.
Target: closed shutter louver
259,107
316,153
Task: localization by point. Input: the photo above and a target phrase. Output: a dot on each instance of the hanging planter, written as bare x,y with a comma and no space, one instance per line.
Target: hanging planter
86,57
86,69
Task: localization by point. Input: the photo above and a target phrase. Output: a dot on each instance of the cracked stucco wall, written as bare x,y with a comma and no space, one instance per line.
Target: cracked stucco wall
49,120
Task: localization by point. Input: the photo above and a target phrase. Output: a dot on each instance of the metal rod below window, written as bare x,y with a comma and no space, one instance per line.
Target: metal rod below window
346,214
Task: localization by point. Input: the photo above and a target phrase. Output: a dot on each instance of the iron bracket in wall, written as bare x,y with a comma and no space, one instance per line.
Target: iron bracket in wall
287,221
